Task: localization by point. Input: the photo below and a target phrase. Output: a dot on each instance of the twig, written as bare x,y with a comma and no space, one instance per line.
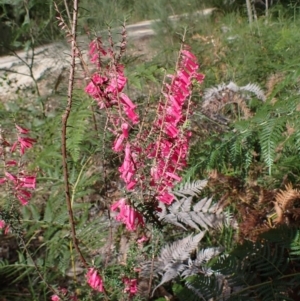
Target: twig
151,271
64,132
67,10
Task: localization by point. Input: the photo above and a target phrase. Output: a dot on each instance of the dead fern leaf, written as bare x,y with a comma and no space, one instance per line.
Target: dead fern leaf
272,81
279,213
286,198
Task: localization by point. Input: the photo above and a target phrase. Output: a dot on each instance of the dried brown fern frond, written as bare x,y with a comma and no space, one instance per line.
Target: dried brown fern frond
242,106
266,196
296,213
272,81
284,204
253,223
216,178
286,198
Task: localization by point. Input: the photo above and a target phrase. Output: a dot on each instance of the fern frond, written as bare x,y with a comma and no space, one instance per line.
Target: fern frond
198,265
270,135
180,250
207,254
171,261
215,99
204,287
78,127
195,290
191,189
286,198
202,214
255,89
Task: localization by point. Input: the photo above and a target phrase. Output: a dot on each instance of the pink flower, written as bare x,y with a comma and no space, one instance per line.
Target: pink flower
64,292
132,115
20,183
126,101
117,146
94,87
25,142
22,130
142,239
11,163
173,176
23,200
171,130
27,182
166,198
130,286
128,169
117,81
96,48
125,128
118,143
127,215
11,177
94,280
2,224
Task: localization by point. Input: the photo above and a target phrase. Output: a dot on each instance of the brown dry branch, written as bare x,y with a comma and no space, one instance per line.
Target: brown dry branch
64,132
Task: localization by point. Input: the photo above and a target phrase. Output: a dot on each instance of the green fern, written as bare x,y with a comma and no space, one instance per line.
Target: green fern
270,136
263,270
79,126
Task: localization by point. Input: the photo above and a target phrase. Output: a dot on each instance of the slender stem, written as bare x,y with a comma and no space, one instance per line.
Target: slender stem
78,179
64,132
249,11
67,10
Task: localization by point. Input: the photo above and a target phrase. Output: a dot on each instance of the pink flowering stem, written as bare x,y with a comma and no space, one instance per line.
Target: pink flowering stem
94,280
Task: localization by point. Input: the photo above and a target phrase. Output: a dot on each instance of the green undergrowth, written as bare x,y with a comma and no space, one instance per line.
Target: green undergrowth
260,150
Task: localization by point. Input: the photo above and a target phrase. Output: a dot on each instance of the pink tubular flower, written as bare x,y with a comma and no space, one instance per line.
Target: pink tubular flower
65,293
11,177
118,143
11,163
130,286
23,142
94,280
2,224
95,88
21,184
96,48
128,168
170,151
166,198
22,130
142,239
127,215
27,182
131,115
23,196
